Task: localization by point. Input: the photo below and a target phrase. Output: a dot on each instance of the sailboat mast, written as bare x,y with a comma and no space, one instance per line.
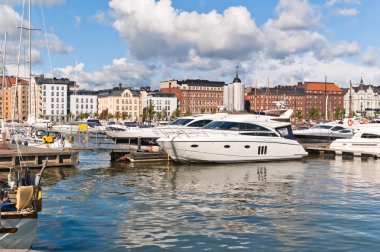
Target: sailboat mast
30,57
3,82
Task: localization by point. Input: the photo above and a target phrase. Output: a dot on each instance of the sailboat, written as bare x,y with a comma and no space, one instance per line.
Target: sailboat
20,194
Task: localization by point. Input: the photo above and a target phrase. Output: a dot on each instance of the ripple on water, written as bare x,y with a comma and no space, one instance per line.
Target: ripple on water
315,204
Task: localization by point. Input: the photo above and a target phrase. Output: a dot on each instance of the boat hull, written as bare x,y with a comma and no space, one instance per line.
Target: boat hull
231,150
23,238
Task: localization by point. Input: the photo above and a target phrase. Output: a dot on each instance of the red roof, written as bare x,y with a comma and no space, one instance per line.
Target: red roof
12,80
321,86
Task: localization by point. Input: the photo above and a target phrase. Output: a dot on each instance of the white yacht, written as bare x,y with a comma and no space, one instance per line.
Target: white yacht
323,133
236,138
148,135
364,141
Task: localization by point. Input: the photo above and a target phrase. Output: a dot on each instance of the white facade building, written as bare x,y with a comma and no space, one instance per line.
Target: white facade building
54,101
81,104
233,95
161,102
365,99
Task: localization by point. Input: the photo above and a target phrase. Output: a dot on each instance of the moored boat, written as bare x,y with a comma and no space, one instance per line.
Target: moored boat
234,139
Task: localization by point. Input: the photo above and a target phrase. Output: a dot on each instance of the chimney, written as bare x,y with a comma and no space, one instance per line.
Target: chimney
120,85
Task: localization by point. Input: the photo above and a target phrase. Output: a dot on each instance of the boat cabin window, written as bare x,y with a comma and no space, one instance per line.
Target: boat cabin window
369,135
199,123
286,132
337,128
181,121
225,125
322,126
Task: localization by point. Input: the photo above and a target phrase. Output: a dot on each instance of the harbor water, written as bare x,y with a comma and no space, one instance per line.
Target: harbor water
319,203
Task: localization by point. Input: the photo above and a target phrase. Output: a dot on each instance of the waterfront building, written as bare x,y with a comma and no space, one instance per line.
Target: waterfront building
233,95
162,102
15,99
325,98
83,102
121,102
50,98
195,96
365,100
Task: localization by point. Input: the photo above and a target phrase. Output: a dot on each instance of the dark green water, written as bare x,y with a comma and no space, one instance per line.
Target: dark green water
311,205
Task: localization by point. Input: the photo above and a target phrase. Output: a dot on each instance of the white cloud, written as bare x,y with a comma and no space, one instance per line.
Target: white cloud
295,15
9,20
370,57
169,33
77,20
347,12
102,18
55,45
340,49
121,70
336,2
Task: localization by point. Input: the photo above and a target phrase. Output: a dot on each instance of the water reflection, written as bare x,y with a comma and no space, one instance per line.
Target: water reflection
314,204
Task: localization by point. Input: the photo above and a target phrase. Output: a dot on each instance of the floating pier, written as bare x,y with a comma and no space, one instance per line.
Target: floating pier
327,151
139,156
12,155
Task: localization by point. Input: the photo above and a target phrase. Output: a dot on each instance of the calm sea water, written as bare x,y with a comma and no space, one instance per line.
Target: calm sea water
311,205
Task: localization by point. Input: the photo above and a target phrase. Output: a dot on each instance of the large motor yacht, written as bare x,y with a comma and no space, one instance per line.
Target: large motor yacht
236,138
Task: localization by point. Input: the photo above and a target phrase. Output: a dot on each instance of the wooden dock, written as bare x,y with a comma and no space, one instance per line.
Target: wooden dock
11,156
139,156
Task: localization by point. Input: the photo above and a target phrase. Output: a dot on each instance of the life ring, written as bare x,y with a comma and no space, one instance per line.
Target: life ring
365,121
350,122
44,139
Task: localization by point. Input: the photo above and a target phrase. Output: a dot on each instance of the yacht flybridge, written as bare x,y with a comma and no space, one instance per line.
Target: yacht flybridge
236,138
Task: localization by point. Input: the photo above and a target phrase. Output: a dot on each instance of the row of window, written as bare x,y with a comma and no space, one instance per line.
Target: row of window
52,93
52,87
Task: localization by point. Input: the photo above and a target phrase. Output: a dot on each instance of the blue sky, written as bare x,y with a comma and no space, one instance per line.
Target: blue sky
141,42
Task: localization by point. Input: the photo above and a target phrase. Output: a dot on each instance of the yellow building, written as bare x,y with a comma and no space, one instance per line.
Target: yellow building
125,102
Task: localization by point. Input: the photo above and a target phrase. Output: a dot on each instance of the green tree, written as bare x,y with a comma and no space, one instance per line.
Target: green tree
110,116
314,113
124,115
298,114
339,113
96,114
104,114
188,113
164,114
150,112
117,115
176,113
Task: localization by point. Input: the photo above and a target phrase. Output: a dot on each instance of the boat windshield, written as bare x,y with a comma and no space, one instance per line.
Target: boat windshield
199,124
225,125
181,121
286,132
322,126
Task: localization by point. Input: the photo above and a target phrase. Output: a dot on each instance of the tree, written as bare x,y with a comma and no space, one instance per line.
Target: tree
104,114
314,113
159,115
188,113
124,115
164,114
339,113
175,114
150,112
117,115
96,114
298,114
110,116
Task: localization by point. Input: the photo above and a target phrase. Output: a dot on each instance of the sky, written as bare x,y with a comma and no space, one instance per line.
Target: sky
142,42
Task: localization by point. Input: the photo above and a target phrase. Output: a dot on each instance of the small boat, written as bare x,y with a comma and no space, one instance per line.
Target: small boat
21,198
323,133
234,139
364,141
